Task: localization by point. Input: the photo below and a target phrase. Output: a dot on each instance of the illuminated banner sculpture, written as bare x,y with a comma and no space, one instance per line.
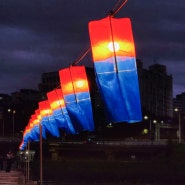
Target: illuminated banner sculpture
76,94
33,133
56,102
35,119
47,119
29,134
32,130
114,58
22,146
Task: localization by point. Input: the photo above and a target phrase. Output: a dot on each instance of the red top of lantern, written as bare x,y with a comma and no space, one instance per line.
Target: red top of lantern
44,108
73,80
79,79
65,80
110,36
55,99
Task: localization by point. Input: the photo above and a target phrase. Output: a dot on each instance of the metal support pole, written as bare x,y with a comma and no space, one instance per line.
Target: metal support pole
179,127
26,166
13,122
157,131
41,174
25,179
3,127
179,119
28,162
150,130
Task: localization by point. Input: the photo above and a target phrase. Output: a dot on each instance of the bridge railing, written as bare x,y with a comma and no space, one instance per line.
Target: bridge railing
10,139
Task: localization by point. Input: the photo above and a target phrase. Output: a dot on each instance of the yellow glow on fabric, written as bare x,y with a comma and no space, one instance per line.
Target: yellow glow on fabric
27,130
81,85
79,79
105,32
57,104
36,121
46,112
67,88
39,117
105,50
113,46
31,125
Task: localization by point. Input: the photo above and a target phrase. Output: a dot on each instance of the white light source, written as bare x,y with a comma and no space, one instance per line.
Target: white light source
113,46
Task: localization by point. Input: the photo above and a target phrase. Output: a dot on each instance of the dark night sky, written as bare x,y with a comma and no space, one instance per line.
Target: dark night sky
39,36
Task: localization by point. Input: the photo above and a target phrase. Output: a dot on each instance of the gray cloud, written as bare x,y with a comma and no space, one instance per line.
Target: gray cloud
39,36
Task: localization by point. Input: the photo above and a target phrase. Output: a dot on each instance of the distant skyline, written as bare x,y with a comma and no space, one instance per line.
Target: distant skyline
42,36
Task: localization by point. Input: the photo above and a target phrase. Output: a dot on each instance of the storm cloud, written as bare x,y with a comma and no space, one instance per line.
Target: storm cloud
39,36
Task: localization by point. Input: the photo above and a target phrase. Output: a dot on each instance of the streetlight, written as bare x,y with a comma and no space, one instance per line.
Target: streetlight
179,119
157,130
150,126
41,170
13,120
2,120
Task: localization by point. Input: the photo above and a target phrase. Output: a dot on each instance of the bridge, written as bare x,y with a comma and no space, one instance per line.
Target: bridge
123,150
10,139
9,143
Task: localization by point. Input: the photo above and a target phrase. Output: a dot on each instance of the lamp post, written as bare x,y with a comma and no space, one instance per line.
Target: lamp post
179,122
150,127
156,130
13,121
41,170
3,127
2,121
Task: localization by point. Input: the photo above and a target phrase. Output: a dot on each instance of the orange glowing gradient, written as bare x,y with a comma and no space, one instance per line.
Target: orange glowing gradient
79,78
27,130
65,80
35,120
44,108
73,80
102,51
103,33
55,99
38,116
57,104
30,125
